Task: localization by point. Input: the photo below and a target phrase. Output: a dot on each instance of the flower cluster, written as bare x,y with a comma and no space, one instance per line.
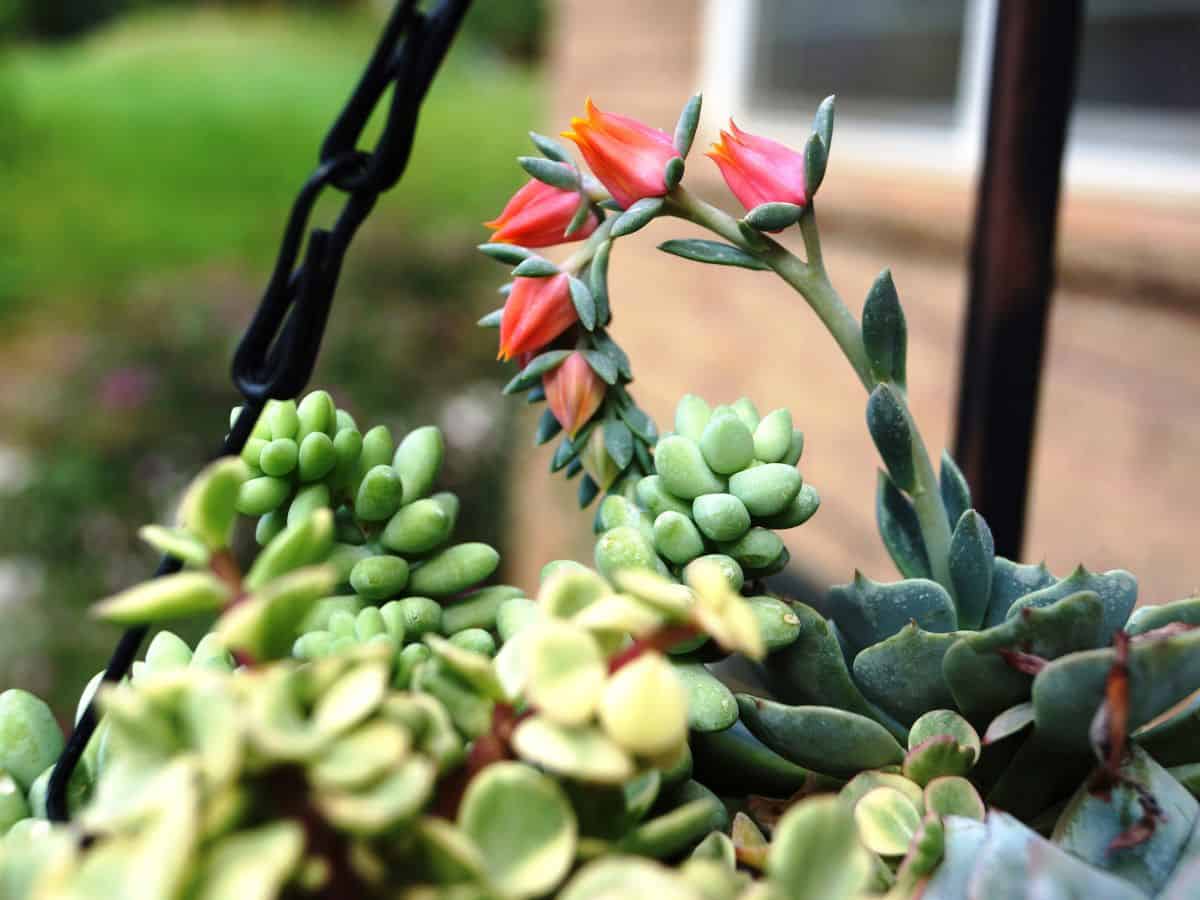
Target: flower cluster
554,320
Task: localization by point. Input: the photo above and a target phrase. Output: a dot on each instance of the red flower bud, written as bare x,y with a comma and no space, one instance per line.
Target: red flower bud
573,392
537,311
627,157
759,170
538,215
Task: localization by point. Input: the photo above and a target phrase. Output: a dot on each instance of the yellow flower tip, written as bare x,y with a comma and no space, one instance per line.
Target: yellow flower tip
590,108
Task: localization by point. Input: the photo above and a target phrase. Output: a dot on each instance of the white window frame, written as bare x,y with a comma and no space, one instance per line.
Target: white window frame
954,150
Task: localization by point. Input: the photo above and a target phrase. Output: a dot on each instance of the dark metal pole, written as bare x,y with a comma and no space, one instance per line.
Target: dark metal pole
1034,64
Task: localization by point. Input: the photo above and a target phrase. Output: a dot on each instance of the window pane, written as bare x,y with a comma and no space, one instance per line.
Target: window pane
1141,55
884,58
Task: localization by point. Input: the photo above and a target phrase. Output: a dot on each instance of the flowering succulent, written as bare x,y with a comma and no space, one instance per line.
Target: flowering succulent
540,214
628,158
759,170
365,720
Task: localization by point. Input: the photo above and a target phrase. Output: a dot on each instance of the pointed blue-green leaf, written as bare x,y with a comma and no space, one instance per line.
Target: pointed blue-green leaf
884,331
602,365
984,685
506,253
584,303
610,348
532,373
598,281
711,252
711,706
618,441
1148,618
640,424
588,491
867,611
637,217
972,552
823,121
1091,823
535,267
547,428
900,529
556,174
1117,590
821,738
887,420
549,147
773,216
816,155
1010,582
956,494
566,451
582,213
685,128
673,172
492,319
1068,691
536,394
903,674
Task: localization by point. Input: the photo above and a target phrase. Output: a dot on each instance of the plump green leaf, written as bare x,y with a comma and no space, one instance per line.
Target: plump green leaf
984,684
774,216
685,128
903,674
735,761
887,821
884,331
1090,824
1117,591
816,854
561,175
820,737
887,421
900,530
972,552
867,612
584,303
1068,691
530,860
637,217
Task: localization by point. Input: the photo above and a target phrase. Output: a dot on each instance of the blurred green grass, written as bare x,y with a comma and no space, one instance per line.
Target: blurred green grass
178,139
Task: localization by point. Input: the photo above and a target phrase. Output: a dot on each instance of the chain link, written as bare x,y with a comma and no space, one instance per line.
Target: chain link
278,351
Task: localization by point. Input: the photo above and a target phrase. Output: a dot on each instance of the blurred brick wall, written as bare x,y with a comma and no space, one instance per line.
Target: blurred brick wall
1115,473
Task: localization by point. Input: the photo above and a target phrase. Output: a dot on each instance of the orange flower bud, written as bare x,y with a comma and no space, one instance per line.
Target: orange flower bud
628,158
537,311
573,392
759,170
538,215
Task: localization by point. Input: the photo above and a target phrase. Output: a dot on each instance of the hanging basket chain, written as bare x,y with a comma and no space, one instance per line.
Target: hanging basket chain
278,351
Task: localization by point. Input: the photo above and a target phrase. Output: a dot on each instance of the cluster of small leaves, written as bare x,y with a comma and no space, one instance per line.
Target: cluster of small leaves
724,481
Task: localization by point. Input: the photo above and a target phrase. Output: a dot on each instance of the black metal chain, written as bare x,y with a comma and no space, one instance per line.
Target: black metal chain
276,355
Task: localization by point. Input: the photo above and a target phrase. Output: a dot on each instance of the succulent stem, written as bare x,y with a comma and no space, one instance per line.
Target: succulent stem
811,281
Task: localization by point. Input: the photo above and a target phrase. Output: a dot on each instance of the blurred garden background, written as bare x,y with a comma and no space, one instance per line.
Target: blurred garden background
149,153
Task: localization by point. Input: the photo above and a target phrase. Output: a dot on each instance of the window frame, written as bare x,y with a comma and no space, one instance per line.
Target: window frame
954,150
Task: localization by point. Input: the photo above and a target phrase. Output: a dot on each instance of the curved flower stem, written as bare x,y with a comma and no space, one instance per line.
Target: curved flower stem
808,278
811,281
